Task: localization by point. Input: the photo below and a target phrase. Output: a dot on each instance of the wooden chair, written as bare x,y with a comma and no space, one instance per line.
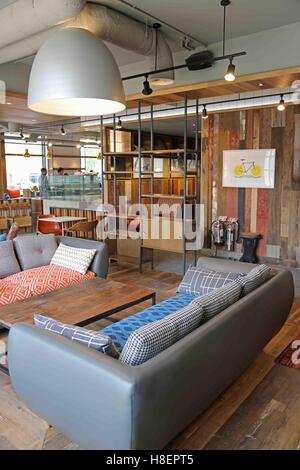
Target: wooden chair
86,228
48,227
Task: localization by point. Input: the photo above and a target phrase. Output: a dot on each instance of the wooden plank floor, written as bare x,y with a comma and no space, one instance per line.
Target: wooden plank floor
261,410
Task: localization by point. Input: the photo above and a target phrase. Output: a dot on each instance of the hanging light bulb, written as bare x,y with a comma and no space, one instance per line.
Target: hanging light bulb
27,154
281,106
50,144
204,112
230,75
63,130
78,146
99,156
147,90
119,126
49,154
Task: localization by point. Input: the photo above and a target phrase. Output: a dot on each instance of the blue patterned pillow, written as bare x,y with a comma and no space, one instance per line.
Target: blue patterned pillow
3,237
89,338
153,338
202,281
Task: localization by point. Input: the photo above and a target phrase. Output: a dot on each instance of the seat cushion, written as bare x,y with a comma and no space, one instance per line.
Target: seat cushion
10,293
92,339
153,338
120,331
48,278
35,250
255,278
218,300
202,281
8,262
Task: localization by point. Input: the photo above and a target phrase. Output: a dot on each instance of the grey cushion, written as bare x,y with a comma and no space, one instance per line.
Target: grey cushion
255,278
218,300
153,338
224,265
201,281
35,251
8,262
89,338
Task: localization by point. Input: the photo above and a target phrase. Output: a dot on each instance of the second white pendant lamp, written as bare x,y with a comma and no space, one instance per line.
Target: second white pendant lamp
75,74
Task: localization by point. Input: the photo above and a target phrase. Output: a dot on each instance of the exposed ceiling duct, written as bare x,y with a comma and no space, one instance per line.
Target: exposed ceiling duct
29,22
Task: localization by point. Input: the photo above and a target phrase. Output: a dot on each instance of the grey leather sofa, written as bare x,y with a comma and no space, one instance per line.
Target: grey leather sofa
102,404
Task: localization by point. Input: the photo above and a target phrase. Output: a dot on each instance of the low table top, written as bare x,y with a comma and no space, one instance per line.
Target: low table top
79,304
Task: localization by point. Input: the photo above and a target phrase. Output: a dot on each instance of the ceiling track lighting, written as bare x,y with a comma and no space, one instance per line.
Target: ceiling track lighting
230,74
281,106
204,112
22,135
147,90
119,125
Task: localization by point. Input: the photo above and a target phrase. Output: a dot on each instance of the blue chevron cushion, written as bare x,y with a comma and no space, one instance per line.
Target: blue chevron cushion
119,332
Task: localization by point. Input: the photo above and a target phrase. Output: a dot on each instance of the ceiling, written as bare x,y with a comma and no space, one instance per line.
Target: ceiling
203,19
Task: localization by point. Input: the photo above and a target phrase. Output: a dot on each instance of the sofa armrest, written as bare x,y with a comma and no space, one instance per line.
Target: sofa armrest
83,393
100,263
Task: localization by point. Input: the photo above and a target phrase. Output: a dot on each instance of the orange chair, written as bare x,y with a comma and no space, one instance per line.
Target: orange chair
48,227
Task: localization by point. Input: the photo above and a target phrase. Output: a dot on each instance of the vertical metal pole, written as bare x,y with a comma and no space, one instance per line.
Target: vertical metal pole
115,163
196,206
140,180
152,172
102,177
185,183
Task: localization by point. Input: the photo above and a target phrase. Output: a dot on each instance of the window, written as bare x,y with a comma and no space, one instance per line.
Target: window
89,159
22,172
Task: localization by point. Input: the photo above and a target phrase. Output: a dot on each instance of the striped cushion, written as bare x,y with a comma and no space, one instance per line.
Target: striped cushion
48,278
254,278
10,293
89,338
202,281
153,338
218,300
77,259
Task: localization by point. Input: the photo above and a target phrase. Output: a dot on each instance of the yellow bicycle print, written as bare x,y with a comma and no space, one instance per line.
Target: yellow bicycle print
250,169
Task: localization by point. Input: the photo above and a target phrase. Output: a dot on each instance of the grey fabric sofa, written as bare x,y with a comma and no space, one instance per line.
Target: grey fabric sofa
102,404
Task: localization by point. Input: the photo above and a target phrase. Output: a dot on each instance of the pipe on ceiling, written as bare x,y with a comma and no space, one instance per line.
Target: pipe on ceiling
30,22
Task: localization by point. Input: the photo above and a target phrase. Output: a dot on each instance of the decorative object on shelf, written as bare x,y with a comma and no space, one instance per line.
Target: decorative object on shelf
87,81
250,241
249,168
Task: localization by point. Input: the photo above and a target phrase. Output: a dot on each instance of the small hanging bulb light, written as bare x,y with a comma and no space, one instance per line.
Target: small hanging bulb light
49,153
99,156
63,130
78,146
147,90
230,74
50,144
204,112
27,154
119,125
281,106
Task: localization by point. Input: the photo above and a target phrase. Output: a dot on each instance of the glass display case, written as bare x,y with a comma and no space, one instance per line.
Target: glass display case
73,186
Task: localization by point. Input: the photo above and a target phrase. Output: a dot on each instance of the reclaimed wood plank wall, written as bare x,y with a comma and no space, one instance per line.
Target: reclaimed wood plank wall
274,213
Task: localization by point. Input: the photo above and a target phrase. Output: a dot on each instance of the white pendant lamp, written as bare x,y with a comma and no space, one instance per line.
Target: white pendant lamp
75,74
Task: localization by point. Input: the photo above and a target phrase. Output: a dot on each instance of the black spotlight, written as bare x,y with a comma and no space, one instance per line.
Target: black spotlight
21,134
147,89
119,125
204,113
63,130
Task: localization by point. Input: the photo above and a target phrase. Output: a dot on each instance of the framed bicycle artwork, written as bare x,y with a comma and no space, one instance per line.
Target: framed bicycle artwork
249,168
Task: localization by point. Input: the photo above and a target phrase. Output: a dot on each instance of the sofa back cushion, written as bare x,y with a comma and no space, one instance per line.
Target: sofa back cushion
34,251
77,259
224,265
8,262
202,281
257,276
92,339
153,338
218,300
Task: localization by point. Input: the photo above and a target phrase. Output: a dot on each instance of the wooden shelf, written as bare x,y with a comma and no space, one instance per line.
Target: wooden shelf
166,196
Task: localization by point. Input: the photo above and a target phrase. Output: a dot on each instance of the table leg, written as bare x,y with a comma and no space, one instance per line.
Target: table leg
154,299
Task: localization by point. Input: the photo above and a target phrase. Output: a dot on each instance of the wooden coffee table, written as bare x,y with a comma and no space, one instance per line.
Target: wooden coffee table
80,304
